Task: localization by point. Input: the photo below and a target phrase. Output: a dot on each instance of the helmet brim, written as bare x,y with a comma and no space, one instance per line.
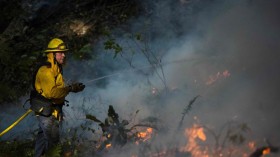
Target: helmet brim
57,50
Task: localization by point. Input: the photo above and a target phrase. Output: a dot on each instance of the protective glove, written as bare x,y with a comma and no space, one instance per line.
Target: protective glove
76,87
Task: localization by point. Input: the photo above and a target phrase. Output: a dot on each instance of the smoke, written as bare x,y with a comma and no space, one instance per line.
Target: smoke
234,44
193,41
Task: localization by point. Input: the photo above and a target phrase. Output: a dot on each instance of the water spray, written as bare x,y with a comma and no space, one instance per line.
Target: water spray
100,78
141,68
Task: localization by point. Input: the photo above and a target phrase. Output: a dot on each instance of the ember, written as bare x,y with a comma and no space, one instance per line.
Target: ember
219,75
108,145
266,151
230,141
262,151
116,133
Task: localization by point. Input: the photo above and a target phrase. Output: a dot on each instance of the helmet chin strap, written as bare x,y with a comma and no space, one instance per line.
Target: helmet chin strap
54,58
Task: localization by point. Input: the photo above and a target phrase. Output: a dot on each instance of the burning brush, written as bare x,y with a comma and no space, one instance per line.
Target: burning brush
113,131
116,133
259,152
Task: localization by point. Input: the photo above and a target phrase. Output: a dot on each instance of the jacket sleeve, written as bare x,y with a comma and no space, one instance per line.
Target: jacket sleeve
51,86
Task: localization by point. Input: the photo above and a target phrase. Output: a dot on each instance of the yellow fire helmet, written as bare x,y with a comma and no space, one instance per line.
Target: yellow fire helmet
56,45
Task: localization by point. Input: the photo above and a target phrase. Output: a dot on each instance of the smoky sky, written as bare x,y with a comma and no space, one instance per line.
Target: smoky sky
193,41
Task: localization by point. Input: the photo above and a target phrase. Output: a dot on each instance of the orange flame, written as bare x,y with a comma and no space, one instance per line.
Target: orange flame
200,134
108,145
266,151
193,134
144,135
197,147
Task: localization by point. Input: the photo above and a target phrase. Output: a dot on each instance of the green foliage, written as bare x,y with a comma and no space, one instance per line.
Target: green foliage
55,151
21,42
16,68
84,53
111,44
17,148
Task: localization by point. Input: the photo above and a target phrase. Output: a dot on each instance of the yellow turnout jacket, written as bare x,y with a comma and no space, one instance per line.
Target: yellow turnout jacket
49,82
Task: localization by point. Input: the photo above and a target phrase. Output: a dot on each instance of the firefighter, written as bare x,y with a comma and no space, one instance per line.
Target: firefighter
48,96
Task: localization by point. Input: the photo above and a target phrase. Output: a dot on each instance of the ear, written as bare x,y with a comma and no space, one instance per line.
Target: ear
54,55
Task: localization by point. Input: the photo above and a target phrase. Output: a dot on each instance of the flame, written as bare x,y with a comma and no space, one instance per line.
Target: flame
197,147
219,75
194,134
145,135
108,145
266,151
200,134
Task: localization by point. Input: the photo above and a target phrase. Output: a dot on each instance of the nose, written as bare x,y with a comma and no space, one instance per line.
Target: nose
63,54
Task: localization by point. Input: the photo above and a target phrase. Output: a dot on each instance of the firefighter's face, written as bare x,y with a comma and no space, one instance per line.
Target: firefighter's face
60,57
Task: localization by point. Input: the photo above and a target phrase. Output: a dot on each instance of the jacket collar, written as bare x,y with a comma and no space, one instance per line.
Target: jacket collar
54,64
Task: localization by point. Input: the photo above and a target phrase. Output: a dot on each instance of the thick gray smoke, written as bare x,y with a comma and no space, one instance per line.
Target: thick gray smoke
225,51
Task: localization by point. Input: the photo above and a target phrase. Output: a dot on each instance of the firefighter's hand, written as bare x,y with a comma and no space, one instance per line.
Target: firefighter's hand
76,87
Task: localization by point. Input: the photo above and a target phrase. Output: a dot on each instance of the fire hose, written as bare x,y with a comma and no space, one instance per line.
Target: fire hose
99,78
16,122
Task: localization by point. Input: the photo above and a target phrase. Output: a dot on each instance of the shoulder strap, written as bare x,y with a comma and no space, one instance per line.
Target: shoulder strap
38,66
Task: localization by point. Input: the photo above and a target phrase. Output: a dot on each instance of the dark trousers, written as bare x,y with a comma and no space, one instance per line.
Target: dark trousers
48,135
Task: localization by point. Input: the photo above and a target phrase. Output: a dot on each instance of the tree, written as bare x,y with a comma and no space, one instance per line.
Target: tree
27,26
